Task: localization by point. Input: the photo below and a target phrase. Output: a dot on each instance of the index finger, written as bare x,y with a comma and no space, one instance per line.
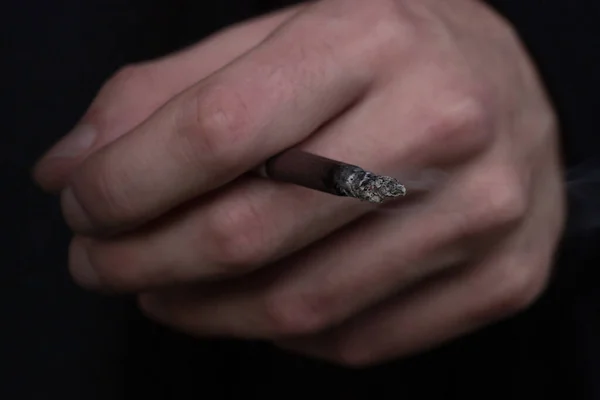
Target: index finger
268,100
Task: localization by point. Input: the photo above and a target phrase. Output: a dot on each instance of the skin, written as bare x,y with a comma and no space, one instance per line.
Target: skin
154,185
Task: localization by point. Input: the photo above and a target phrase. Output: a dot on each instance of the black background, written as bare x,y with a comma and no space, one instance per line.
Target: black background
59,342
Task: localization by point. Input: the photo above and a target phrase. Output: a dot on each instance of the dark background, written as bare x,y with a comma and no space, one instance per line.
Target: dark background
59,342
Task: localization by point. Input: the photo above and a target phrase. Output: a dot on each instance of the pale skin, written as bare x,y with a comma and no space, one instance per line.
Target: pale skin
154,183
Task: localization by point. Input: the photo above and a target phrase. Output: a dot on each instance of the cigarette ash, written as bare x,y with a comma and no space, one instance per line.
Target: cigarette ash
366,186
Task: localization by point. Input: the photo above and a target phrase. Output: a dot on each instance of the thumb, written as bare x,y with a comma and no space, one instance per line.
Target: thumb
136,91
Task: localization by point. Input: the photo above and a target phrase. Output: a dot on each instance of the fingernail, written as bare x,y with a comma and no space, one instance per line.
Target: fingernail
74,214
81,268
76,142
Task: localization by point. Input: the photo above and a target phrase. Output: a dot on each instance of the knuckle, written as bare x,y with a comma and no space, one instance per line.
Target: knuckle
293,315
519,288
238,236
507,208
460,125
373,34
214,121
391,27
393,24
501,204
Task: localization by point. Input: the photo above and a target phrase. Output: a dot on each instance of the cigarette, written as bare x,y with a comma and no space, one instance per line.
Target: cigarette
330,176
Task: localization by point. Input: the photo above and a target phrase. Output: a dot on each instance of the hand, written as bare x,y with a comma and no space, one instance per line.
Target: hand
161,205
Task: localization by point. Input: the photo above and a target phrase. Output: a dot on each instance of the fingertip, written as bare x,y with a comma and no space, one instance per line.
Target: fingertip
74,214
74,144
80,266
51,171
52,175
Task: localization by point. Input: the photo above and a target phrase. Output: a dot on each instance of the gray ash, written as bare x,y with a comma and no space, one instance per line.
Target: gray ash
352,181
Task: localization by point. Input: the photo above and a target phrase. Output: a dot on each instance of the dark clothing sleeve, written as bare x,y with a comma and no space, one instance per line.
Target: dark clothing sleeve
60,342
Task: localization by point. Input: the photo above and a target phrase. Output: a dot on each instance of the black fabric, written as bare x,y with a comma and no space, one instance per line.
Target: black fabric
59,342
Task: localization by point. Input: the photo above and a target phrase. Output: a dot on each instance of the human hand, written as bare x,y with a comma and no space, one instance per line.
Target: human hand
161,206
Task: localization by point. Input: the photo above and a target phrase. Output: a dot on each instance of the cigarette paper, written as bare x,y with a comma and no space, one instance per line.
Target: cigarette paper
330,176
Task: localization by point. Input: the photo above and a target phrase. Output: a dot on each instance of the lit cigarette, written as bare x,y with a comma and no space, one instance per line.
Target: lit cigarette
323,174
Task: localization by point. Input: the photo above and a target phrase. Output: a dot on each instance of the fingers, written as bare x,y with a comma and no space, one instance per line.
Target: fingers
506,281
215,131
254,222
239,229
273,305
435,312
136,91
345,274
235,230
